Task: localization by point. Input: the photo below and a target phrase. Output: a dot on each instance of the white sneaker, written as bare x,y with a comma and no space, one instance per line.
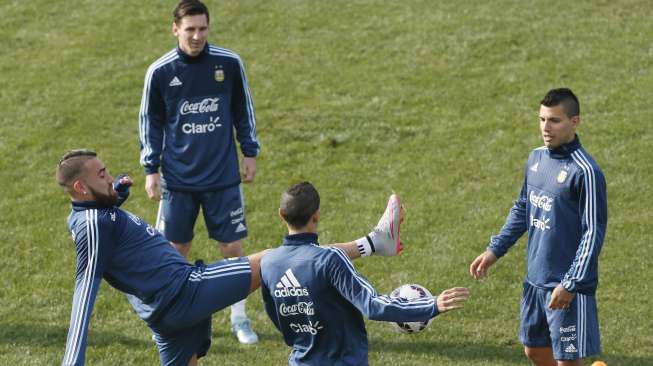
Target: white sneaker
243,331
385,235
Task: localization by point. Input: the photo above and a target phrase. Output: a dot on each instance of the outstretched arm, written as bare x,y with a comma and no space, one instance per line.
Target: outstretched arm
91,239
358,291
515,226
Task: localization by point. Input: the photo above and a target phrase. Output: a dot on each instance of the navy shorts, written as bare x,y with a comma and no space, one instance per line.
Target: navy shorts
185,329
572,334
224,214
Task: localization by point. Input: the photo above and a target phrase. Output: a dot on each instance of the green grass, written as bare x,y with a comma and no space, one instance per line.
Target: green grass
436,100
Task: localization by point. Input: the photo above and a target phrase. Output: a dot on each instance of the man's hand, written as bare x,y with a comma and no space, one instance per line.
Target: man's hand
453,298
249,169
480,265
153,186
561,298
125,181
122,183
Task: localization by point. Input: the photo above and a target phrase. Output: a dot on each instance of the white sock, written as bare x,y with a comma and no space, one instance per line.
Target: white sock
238,311
365,246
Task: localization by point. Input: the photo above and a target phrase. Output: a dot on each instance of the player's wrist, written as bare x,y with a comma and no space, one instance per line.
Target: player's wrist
568,285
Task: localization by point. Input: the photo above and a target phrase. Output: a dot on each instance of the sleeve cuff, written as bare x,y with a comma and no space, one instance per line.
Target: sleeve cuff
569,285
151,169
495,251
435,305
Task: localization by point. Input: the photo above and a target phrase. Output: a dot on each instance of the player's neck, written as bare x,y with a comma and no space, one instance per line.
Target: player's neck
310,228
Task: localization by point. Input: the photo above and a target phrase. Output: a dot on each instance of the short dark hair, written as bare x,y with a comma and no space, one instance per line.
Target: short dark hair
564,96
189,7
71,164
299,203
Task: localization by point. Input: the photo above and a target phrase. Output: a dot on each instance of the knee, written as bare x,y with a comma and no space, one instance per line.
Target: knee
538,356
182,248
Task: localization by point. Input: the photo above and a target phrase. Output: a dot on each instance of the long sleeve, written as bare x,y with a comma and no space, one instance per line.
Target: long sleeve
514,227
358,291
594,219
268,302
91,239
151,121
244,119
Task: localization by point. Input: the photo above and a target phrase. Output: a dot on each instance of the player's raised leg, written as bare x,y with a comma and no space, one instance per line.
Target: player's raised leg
384,239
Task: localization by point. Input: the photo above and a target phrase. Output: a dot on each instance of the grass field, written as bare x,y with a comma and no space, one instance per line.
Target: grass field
436,100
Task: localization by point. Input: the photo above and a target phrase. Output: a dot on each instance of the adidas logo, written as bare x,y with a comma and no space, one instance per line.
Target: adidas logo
571,349
241,227
534,167
289,286
175,81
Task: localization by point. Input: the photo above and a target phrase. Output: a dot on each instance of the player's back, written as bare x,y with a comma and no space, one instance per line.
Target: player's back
320,324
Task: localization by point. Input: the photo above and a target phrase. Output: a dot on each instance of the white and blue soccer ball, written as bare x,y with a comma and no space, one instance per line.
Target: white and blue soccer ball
410,292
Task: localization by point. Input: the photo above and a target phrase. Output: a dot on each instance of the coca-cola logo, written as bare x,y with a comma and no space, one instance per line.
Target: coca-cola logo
205,106
296,309
542,201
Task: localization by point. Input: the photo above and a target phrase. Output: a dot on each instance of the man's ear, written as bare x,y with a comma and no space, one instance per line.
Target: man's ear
316,216
175,29
79,187
282,214
575,120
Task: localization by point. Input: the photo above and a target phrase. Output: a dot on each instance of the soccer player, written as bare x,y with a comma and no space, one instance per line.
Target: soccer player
315,297
194,97
562,205
175,299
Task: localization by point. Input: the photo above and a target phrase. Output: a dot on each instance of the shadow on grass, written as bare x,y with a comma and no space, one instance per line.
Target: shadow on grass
223,341
510,354
45,335
456,351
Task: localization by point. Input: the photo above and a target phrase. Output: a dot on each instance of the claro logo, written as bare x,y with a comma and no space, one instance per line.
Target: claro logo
193,128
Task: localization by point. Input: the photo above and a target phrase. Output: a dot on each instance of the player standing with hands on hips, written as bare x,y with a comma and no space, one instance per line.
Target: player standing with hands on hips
563,207
194,97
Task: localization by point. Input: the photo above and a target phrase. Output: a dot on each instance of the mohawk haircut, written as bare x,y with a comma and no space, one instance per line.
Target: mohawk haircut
71,165
564,97
299,203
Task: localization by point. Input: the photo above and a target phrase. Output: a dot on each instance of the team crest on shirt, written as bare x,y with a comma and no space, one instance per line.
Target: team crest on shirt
218,75
562,176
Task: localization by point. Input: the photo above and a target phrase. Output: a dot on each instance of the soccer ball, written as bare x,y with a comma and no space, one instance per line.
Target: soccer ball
409,292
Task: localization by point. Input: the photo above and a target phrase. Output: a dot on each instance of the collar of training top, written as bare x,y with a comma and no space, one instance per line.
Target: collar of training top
190,59
85,205
300,239
565,150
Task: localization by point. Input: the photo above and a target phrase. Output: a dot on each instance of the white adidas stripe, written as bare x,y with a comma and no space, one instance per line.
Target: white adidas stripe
588,241
144,122
81,305
383,299
288,280
363,282
292,278
226,270
233,273
218,51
